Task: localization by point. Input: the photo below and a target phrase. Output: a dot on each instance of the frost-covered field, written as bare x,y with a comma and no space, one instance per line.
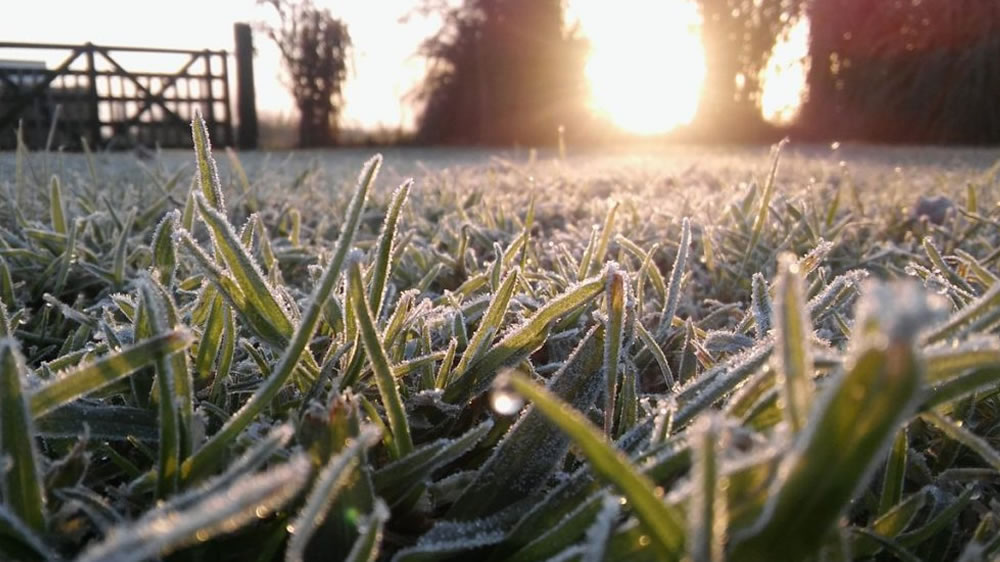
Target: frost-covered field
634,355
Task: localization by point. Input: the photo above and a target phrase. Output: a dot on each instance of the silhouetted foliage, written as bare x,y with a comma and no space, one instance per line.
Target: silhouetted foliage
738,37
314,47
925,71
502,72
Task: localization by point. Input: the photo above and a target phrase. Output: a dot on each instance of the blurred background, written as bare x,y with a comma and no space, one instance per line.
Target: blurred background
509,73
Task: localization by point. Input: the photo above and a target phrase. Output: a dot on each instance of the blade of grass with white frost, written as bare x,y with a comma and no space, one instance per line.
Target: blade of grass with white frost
382,266
85,379
206,459
674,285
402,443
934,255
260,325
852,424
163,247
603,240
522,341
958,433
588,254
246,190
490,323
20,479
366,546
760,305
962,385
208,173
892,522
657,352
229,507
664,524
707,511
530,451
121,247
328,483
615,296
57,211
987,306
793,333
595,543
394,481
765,203
169,457
244,269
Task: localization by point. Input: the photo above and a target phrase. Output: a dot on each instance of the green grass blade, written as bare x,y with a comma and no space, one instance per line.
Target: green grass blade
674,285
121,249
603,240
366,546
20,480
169,456
211,337
330,480
198,516
394,481
212,452
381,271
384,379
208,173
958,433
853,423
57,211
615,297
85,379
707,512
520,342
6,285
985,307
765,203
246,190
490,323
793,334
530,451
760,304
664,524
894,475
596,543
244,269
657,352
164,247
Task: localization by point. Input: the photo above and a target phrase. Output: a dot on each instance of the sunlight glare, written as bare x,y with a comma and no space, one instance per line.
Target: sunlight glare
783,81
646,65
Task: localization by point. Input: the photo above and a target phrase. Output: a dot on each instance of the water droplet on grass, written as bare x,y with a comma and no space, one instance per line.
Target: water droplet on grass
505,402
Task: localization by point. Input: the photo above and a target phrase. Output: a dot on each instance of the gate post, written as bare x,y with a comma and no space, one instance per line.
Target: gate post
246,104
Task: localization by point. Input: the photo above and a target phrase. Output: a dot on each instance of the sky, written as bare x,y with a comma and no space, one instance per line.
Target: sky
384,66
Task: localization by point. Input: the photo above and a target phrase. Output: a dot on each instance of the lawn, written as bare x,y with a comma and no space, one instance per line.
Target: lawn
676,353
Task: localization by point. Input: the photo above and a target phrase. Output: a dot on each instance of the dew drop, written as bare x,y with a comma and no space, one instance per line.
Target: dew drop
644,540
261,511
506,403
201,535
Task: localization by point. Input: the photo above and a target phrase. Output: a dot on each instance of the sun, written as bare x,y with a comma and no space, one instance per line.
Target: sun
646,65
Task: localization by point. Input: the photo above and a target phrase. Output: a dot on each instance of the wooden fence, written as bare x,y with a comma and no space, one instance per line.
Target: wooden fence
95,93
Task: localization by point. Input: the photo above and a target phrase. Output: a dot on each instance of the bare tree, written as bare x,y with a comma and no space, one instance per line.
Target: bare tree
314,47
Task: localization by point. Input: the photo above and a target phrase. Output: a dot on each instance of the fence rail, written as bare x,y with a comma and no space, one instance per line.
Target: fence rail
90,92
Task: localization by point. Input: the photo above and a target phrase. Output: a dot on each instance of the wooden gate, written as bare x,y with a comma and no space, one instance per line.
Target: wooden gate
87,91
